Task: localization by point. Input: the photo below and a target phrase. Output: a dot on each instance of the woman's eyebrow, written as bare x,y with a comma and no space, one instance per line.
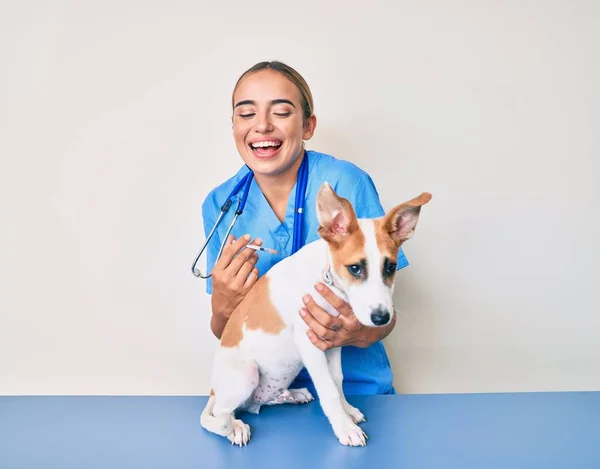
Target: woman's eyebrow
283,101
275,101
244,103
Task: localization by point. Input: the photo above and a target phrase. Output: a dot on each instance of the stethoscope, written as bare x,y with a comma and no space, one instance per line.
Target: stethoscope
246,181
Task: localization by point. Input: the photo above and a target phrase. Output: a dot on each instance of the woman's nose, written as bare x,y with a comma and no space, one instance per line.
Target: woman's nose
264,123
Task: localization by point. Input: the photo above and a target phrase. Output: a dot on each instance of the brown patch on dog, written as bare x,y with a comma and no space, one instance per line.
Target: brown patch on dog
351,250
256,311
261,311
385,242
386,246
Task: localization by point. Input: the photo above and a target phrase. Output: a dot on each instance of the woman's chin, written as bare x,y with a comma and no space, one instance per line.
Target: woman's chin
269,163
263,161
266,154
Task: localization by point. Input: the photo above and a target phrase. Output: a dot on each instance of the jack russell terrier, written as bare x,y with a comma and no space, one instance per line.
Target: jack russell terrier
264,344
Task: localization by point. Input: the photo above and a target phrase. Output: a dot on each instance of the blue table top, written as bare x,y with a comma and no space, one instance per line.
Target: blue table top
521,430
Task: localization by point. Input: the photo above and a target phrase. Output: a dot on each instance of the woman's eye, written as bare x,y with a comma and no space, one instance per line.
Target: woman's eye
283,114
247,115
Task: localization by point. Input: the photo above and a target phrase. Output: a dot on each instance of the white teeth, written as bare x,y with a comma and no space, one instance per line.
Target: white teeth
264,144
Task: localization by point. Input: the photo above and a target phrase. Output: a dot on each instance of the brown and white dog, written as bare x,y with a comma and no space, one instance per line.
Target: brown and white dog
264,344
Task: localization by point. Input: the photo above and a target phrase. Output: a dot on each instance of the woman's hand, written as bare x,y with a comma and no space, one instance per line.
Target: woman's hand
232,276
327,331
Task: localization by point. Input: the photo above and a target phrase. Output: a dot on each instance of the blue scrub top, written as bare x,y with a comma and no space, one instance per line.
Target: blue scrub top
366,370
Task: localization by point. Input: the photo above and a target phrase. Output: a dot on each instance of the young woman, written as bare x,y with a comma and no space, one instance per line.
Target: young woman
272,117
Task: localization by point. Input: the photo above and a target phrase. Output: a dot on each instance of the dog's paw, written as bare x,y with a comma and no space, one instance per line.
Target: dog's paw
293,396
352,435
301,395
240,433
355,414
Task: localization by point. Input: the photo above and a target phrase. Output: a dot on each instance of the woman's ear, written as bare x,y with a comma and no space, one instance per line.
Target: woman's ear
309,127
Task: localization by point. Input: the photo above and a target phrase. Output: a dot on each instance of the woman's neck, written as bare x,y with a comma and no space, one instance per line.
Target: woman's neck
276,188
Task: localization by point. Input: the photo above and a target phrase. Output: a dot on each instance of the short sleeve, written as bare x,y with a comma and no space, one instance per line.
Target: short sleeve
365,200
212,249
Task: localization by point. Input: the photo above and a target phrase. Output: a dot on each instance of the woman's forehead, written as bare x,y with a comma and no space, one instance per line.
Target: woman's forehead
266,86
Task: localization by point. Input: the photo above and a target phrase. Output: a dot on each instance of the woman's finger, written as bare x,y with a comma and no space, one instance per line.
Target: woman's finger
245,270
338,304
232,246
321,344
251,279
316,327
320,314
240,258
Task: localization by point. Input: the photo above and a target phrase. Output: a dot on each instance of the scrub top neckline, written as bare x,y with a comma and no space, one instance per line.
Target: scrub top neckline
281,230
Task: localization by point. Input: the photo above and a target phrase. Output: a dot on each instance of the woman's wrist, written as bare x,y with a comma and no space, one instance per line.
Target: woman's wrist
219,307
219,318
217,325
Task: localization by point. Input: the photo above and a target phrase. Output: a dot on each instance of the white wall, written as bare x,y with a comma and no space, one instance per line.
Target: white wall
114,121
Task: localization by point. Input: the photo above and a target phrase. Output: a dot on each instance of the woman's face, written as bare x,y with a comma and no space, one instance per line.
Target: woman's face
267,122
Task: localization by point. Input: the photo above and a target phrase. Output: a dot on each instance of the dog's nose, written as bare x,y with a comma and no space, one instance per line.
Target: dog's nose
380,316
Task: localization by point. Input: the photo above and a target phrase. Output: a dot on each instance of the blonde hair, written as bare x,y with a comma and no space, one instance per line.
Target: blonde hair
290,74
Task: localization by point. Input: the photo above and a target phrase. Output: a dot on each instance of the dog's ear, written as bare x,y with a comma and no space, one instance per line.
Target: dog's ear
401,221
335,214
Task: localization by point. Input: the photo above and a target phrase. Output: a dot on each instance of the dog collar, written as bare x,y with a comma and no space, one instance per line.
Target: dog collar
327,278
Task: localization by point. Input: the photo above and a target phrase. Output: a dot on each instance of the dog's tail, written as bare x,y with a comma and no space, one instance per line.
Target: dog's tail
220,426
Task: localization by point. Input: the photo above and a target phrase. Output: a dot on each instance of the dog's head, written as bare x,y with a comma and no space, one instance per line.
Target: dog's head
363,252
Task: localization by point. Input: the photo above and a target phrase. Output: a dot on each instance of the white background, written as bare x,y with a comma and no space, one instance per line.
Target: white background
115,123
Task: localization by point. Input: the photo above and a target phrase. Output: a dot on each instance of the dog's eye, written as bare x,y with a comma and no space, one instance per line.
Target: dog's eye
390,268
355,270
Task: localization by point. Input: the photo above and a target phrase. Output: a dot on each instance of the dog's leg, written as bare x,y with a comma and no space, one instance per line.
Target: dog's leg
235,379
334,362
315,361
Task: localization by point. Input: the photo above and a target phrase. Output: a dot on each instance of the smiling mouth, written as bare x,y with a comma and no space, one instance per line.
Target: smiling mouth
265,148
